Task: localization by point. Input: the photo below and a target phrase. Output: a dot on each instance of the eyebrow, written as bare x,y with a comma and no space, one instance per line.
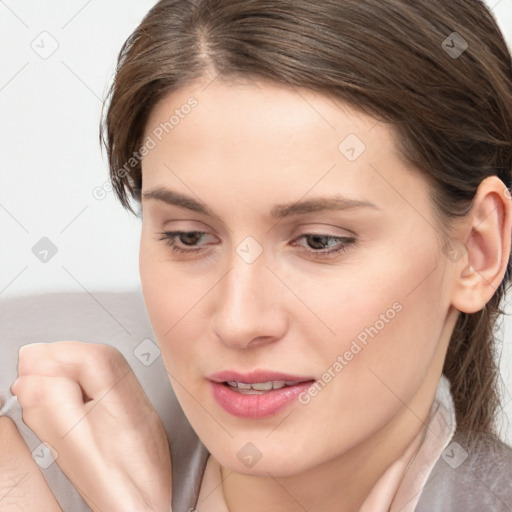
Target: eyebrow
336,202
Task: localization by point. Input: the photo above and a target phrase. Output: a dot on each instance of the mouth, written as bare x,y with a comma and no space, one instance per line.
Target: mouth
257,394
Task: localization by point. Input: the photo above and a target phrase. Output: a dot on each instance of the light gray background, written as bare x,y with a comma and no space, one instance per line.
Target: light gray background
50,161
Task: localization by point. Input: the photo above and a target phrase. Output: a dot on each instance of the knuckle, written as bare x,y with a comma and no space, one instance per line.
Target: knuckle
30,392
73,358
30,357
109,360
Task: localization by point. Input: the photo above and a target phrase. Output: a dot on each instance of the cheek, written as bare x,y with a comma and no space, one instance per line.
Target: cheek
388,326
172,298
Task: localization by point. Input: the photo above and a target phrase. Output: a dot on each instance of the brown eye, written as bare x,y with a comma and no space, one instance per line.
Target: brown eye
187,241
320,241
190,237
321,245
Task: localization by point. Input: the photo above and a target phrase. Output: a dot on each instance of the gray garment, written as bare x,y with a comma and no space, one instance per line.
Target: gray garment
474,476
188,465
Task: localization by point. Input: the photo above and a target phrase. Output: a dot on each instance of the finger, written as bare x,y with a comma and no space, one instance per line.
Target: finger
54,410
51,405
96,367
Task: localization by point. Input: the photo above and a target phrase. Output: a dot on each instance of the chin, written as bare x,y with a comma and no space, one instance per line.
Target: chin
262,459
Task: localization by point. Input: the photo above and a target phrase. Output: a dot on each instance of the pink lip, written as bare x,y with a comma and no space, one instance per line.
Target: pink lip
258,405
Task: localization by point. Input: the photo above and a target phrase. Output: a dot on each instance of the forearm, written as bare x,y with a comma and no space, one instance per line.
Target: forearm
22,486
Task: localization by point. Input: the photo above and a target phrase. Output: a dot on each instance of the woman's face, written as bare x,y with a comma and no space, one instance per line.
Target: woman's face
293,274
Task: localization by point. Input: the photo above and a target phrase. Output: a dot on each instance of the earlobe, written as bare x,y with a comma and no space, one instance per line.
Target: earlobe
488,237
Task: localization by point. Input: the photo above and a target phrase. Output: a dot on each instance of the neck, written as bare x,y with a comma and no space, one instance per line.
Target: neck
343,483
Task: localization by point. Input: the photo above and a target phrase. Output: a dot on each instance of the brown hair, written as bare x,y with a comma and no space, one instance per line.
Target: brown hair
398,60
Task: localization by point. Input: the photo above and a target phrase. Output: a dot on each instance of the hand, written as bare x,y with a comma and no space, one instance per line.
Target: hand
85,401
22,486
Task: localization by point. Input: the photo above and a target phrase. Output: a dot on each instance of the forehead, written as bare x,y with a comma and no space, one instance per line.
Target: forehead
259,111
286,141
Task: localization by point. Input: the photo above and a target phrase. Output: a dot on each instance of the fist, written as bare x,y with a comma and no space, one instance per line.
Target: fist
85,402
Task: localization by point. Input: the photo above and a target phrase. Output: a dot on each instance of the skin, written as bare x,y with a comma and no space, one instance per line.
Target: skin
86,403
22,486
246,147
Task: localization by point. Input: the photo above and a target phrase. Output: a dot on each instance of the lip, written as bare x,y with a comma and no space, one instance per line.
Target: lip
261,405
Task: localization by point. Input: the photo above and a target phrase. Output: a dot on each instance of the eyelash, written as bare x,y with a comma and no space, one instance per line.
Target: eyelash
169,237
343,244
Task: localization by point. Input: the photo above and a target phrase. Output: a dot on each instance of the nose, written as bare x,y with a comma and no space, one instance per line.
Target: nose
249,307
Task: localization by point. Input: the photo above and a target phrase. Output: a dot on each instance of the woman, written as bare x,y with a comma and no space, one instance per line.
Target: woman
326,234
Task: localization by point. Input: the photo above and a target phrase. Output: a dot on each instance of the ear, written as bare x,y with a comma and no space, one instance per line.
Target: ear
487,235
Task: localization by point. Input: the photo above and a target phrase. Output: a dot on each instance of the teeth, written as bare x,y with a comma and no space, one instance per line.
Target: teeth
261,386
